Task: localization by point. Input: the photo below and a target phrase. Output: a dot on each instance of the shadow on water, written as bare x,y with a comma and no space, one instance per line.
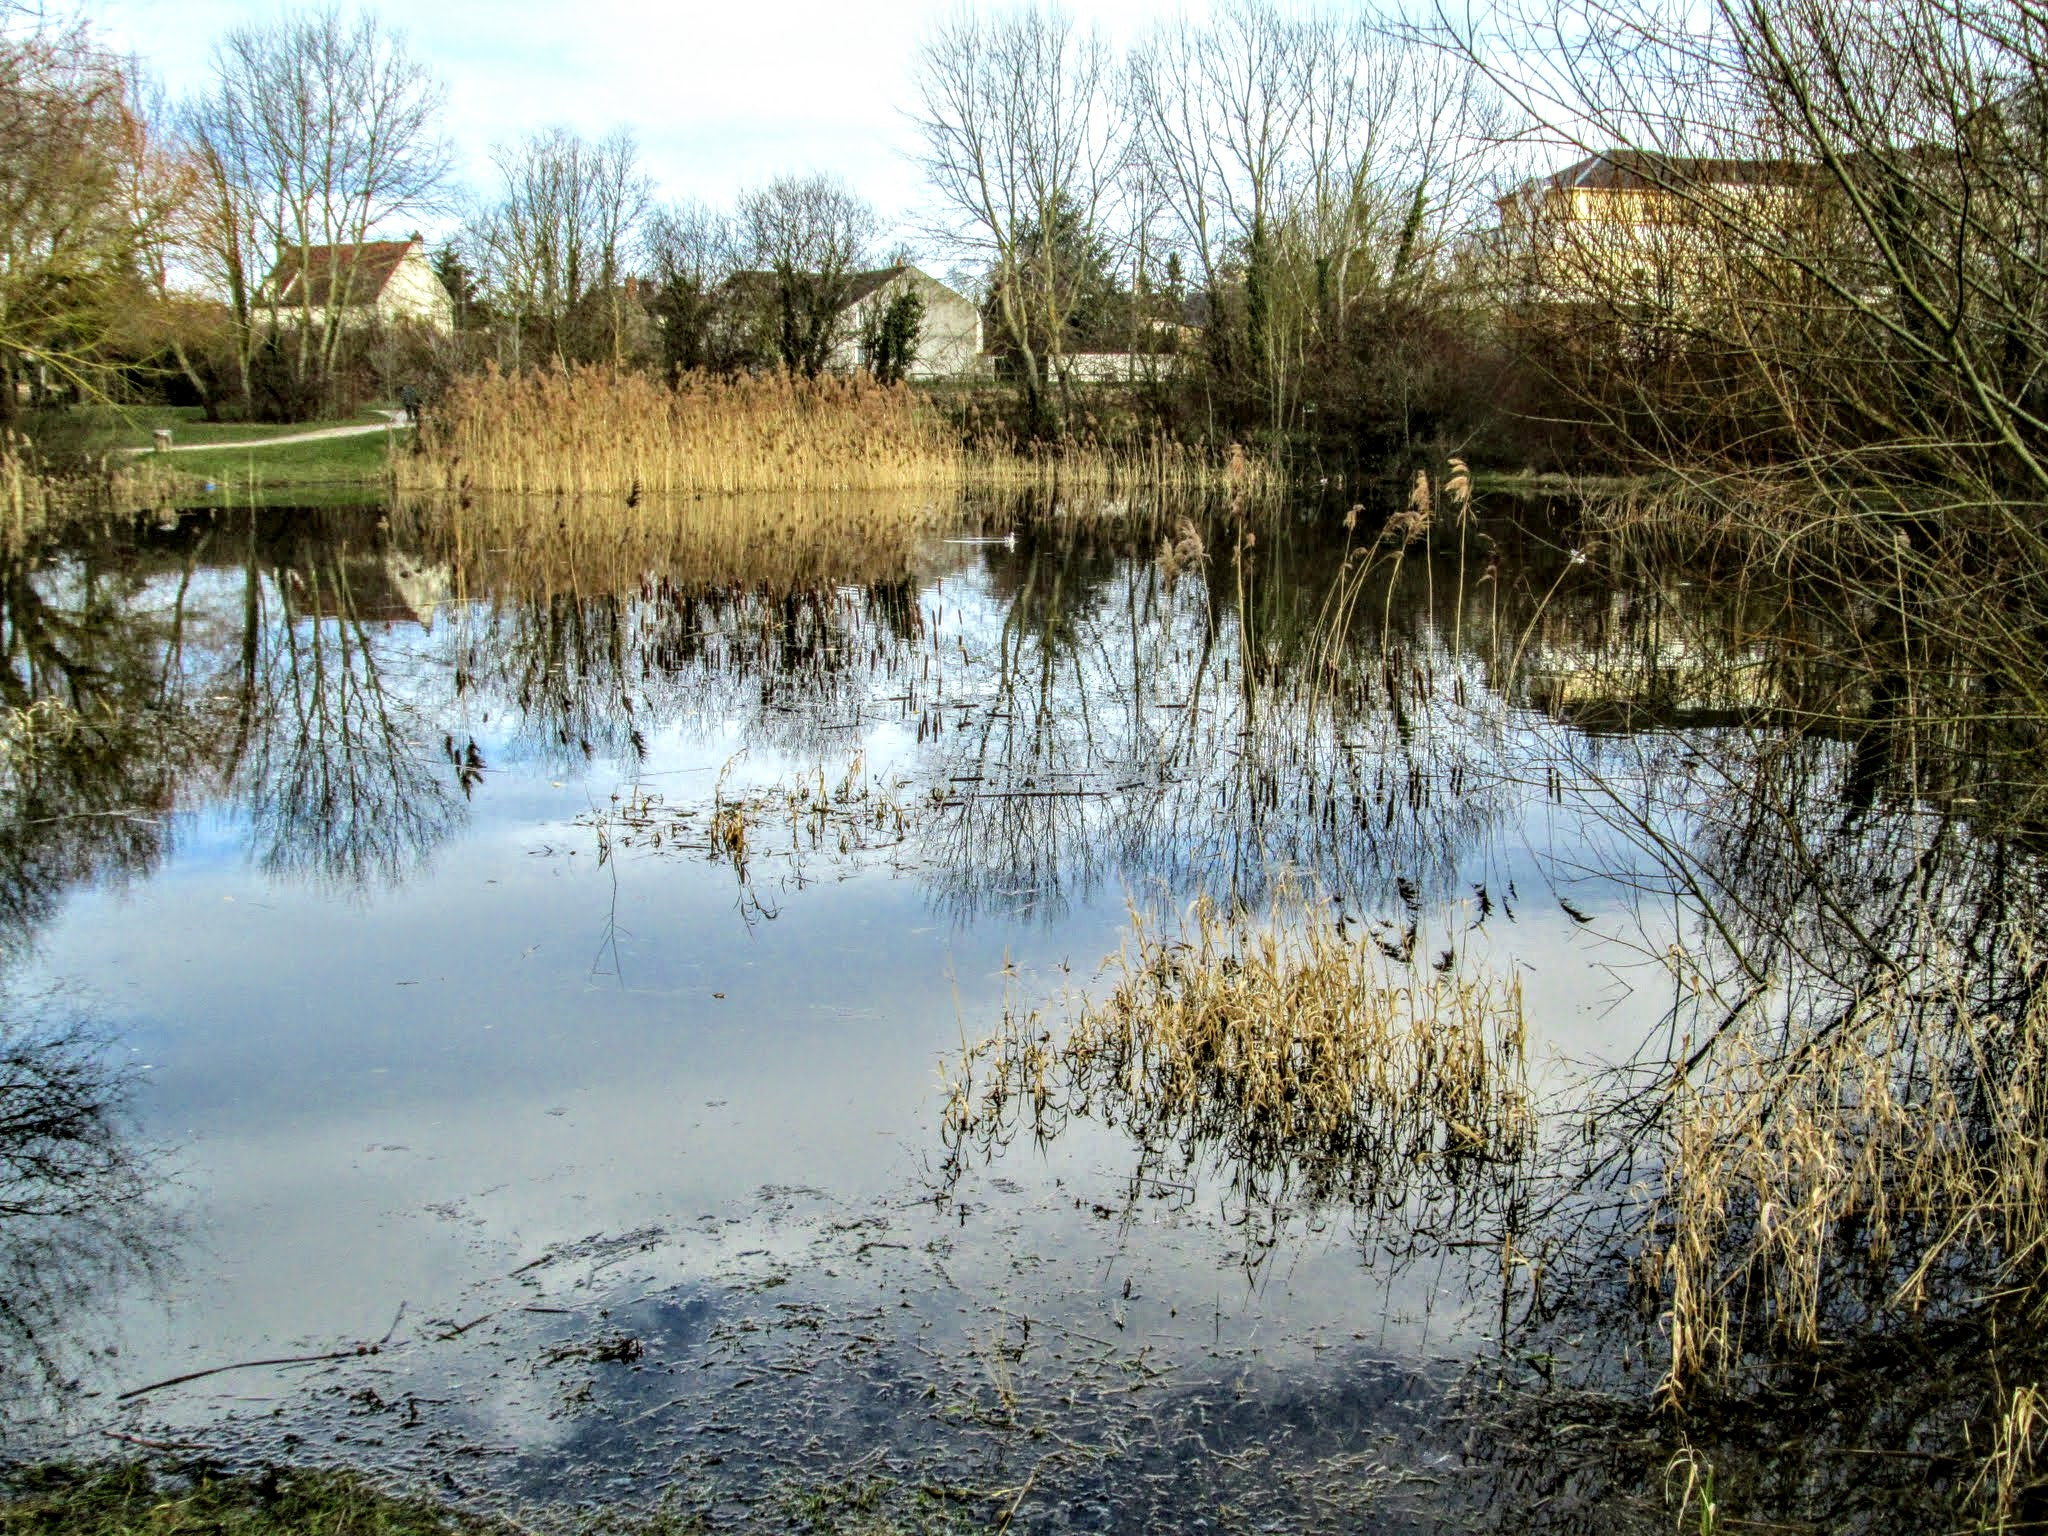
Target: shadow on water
1623,981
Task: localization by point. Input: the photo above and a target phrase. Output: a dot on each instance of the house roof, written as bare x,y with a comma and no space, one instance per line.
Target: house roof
859,285
363,269
862,284
1617,170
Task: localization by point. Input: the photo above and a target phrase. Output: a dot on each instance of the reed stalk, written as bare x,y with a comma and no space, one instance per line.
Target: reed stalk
608,432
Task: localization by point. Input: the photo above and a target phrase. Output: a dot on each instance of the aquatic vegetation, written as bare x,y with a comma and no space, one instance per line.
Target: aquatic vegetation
1866,1170
598,431
794,826
618,433
1298,1051
26,729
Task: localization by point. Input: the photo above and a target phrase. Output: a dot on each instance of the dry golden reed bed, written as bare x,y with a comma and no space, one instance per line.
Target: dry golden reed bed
1873,1162
605,432
1286,1046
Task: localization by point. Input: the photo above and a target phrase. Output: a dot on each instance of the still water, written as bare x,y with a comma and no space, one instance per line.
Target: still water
530,988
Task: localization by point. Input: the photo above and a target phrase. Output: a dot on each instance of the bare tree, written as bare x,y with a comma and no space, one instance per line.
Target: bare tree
810,235
1223,105
69,227
1024,149
555,247
691,249
319,130
1305,162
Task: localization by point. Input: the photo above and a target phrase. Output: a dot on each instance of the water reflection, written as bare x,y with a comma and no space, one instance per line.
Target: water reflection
1759,819
237,660
79,1213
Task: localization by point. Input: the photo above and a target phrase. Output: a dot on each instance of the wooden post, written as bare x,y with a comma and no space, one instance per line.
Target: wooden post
161,439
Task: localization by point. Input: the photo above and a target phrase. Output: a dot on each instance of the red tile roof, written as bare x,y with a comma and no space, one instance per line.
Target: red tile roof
363,270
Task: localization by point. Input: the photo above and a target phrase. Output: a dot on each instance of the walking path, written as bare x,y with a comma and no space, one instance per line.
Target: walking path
363,429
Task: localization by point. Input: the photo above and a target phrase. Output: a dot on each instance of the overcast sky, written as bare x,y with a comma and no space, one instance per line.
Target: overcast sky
721,95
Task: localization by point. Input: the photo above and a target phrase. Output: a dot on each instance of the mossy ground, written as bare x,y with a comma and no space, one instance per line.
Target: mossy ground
130,1499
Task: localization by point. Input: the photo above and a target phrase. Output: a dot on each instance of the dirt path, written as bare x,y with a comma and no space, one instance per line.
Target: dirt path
397,419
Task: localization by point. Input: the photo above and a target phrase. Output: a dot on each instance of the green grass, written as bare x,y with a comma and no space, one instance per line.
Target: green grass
132,1501
351,461
106,428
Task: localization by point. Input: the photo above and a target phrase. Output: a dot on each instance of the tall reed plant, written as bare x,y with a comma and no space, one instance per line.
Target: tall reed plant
609,432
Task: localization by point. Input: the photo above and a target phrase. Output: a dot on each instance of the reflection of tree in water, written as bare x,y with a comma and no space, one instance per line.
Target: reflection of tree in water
76,1212
1198,733
142,675
335,766
1814,1205
574,678
100,729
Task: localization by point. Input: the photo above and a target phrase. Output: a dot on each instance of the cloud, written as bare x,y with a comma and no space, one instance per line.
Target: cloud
721,95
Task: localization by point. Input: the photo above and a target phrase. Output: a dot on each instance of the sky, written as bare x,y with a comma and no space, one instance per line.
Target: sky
721,95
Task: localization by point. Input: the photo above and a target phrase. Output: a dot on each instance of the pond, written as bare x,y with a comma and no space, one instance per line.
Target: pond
526,1005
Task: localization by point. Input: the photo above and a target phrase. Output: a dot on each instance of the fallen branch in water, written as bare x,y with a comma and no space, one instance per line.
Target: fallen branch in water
155,1445
354,1352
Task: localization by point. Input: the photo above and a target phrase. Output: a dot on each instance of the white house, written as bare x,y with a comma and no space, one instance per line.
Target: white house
949,340
382,280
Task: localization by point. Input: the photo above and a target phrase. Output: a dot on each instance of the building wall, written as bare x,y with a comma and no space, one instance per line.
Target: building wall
415,293
948,343
1631,246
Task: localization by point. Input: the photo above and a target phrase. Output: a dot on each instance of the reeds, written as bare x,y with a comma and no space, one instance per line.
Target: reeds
1858,1175
617,432
606,432
35,501
1294,1050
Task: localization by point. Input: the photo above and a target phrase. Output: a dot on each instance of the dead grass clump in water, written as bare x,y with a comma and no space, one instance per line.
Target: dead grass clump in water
26,730
1292,1049
798,824
1892,1164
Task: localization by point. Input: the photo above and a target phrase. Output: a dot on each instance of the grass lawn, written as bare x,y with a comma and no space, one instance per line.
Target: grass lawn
105,428
356,462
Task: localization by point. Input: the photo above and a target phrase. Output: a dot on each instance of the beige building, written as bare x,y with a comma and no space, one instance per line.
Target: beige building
1637,226
381,280
949,340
